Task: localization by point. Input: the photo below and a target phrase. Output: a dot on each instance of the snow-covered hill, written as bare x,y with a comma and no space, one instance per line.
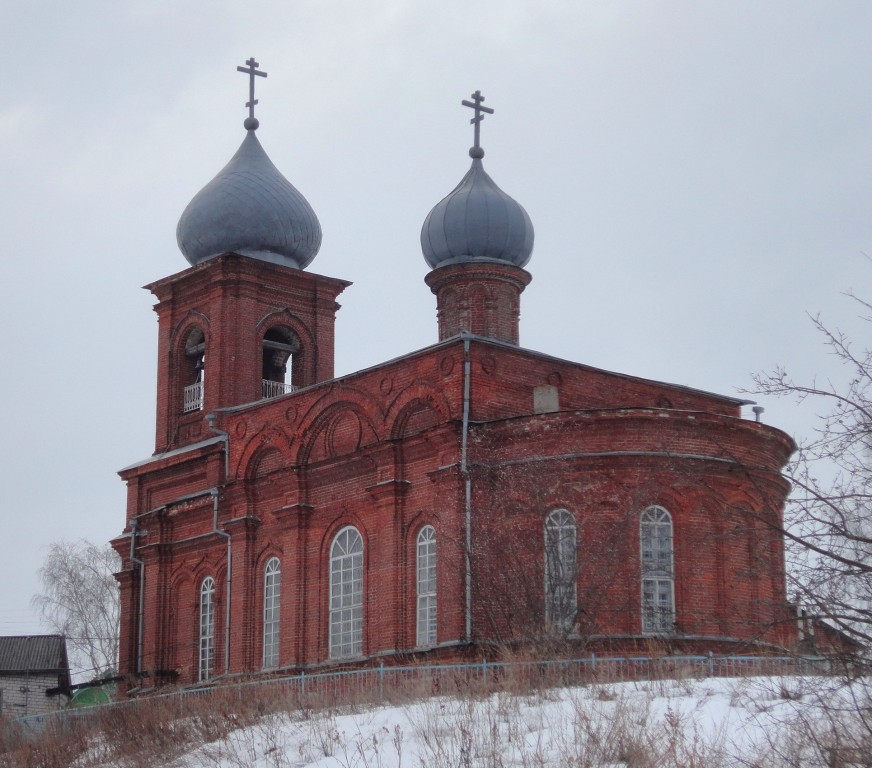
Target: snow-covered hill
685,723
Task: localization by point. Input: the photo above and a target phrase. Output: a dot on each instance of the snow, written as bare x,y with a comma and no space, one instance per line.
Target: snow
663,723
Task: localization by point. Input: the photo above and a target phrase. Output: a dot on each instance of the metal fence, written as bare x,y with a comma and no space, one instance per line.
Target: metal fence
388,684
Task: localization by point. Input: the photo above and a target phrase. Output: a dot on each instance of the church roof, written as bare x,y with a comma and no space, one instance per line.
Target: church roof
249,207
477,221
519,352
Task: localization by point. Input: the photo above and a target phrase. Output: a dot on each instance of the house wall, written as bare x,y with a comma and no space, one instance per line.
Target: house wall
22,695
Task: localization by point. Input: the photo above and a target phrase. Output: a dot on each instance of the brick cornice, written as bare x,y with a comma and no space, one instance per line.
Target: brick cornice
475,271
236,270
388,488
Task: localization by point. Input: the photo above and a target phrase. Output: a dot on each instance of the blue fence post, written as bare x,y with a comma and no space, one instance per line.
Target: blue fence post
381,681
484,671
711,664
302,685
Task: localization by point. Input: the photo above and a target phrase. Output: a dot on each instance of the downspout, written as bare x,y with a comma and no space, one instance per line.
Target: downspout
464,472
228,580
210,421
134,530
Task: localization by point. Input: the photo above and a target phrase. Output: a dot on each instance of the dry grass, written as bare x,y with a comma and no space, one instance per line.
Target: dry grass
455,720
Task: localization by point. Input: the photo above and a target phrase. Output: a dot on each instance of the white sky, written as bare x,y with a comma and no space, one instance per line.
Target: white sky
698,175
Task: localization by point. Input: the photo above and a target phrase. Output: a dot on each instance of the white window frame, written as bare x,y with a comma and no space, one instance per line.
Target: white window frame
272,590
346,594
425,571
657,560
561,569
206,659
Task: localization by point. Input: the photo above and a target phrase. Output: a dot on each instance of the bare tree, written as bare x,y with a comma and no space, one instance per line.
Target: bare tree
828,522
79,599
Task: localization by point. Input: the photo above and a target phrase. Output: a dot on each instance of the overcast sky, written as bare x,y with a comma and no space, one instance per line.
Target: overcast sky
698,176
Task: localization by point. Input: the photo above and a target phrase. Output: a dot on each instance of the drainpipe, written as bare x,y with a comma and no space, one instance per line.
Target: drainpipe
228,580
464,472
211,418
134,530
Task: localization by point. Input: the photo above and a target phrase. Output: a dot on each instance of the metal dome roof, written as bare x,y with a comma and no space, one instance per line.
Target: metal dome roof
477,221
251,209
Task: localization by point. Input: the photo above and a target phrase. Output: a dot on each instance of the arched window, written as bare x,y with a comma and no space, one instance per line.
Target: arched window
280,344
426,572
561,570
193,369
346,594
272,585
658,579
207,628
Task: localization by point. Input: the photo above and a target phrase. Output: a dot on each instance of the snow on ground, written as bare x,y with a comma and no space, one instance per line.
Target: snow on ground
663,723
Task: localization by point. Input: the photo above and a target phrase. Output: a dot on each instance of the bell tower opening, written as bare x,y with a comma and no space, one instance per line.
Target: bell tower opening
280,349
193,370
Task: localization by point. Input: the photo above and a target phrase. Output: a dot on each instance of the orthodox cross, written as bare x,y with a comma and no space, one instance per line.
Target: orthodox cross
252,72
477,99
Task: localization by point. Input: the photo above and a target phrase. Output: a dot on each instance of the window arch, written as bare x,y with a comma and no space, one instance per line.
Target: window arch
280,344
426,586
193,370
207,628
658,577
272,585
561,570
346,594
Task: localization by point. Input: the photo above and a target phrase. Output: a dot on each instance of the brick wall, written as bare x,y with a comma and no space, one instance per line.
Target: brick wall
384,451
482,298
22,695
234,301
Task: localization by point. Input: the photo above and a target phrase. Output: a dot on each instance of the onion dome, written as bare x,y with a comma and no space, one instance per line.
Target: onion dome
250,208
477,221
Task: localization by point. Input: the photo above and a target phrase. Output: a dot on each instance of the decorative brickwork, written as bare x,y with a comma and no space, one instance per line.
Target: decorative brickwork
475,437
233,302
481,297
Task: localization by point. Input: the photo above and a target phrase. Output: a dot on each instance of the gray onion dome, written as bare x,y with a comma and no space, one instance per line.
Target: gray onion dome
477,221
251,209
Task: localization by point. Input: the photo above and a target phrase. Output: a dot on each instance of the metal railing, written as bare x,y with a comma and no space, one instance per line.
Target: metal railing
276,388
381,684
193,399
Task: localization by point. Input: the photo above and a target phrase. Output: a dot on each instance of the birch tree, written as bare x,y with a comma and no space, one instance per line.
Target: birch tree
80,600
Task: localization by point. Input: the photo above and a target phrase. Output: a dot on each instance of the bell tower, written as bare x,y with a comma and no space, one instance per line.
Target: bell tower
244,322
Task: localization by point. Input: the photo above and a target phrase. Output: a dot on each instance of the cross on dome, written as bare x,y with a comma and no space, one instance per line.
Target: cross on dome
477,222
251,122
249,208
476,151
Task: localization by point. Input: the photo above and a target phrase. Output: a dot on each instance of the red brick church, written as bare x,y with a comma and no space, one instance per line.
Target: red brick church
466,495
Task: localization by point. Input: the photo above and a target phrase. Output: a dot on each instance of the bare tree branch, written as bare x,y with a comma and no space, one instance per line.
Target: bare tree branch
80,600
828,522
